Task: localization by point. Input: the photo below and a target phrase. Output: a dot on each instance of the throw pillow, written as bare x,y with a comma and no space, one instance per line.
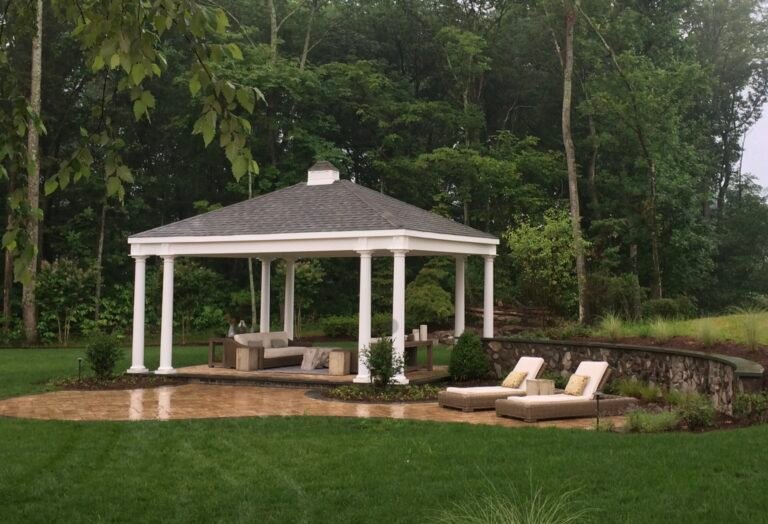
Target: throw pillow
514,379
576,385
279,343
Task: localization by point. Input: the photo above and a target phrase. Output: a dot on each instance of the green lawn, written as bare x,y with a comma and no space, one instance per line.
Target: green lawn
301,469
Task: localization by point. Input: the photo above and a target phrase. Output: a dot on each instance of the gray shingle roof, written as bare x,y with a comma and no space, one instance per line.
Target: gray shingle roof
340,206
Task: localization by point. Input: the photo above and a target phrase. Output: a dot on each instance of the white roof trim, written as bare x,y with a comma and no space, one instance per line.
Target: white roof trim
313,236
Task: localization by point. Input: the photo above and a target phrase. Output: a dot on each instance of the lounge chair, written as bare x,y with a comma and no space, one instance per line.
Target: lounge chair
484,397
562,405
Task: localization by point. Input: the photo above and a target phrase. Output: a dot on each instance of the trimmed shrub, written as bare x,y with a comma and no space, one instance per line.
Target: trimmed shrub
669,308
660,308
339,326
641,421
468,359
347,326
752,407
102,354
382,362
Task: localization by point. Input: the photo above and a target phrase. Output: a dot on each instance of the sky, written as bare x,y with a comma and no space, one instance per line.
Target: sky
756,151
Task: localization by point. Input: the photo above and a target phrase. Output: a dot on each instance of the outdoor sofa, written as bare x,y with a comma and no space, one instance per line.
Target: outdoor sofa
273,350
561,405
484,397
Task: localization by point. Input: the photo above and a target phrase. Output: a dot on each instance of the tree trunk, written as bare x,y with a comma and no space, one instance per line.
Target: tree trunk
250,267
308,36
29,306
99,260
570,155
656,289
272,30
592,169
8,267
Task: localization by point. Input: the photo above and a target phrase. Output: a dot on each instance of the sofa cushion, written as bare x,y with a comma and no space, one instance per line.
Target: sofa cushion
279,342
290,351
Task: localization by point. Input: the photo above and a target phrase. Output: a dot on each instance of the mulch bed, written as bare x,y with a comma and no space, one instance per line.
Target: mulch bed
116,383
367,394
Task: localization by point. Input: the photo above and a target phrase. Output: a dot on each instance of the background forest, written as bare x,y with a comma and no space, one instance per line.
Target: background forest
453,106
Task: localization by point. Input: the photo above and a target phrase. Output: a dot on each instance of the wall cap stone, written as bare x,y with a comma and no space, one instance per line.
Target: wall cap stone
742,367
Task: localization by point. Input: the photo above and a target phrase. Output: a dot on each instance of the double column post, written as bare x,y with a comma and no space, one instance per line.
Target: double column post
488,297
290,277
139,306
266,267
166,321
398,310
459,306
364,325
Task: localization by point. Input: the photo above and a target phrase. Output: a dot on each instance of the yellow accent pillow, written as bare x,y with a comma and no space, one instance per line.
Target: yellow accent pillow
576,385
514,379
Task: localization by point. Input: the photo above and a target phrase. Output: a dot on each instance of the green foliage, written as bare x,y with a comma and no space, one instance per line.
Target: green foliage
559,380
669,308
751,320
619,294
339,326
365,393
383,363
427,302
102,353
468,359
201,296
752,407
514,508
637,389
696,411
641,421
611,326
64,294
707,332
661,330
544,256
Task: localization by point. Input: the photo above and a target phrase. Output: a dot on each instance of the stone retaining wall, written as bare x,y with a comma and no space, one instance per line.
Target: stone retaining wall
673,369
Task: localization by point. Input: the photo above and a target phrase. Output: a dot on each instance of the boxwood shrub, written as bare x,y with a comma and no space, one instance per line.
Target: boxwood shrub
468,359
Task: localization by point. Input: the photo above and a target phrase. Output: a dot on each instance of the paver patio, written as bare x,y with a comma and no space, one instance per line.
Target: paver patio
197,401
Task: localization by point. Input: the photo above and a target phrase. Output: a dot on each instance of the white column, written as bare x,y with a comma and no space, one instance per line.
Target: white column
166,322
488,297
139,298
290,276
364,311
398,309
459,318
266,266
